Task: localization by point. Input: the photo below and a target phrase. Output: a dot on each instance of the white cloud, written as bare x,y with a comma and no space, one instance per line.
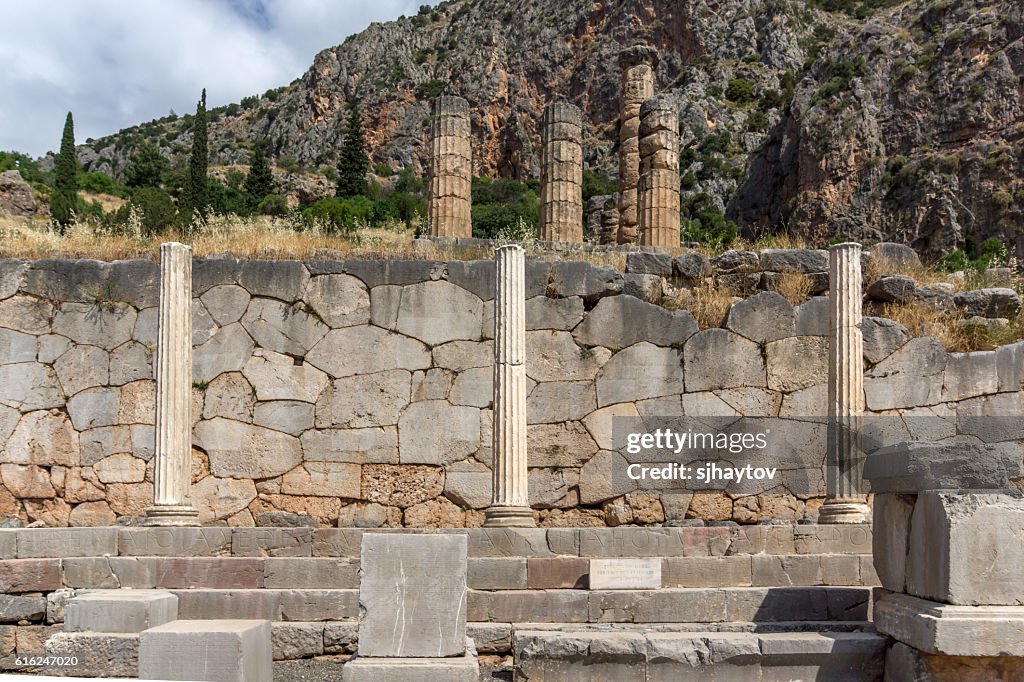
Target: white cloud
114,64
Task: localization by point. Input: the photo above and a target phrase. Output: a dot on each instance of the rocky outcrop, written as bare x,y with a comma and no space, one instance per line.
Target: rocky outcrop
16,195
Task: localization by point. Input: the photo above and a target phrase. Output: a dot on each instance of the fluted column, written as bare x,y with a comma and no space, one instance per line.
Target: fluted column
172,477
637,87
845,501
451,166
510,500
561,174
659,173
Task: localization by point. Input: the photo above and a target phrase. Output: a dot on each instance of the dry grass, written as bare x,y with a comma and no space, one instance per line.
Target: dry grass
921,274
951,328
707,303
263,237
795,287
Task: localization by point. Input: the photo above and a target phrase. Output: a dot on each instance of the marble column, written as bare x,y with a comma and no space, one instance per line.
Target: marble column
561,174
510,500
637,87
845,501
172,504
659,173
451,169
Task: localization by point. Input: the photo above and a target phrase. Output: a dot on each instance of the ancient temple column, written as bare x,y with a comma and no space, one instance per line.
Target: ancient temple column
172,477
510,500
637,87
659,173
561,174
844,500
450,170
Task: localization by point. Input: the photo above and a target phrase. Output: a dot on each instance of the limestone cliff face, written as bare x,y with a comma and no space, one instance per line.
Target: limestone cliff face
906,124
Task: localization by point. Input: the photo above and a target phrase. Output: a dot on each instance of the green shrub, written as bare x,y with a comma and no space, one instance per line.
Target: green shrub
597,184
273,204
740,91
340,215
156,207
430,89
98,183
702,222
500,205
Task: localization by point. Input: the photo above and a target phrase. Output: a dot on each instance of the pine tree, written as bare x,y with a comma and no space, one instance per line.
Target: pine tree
353,164
197,191
65,185
260,180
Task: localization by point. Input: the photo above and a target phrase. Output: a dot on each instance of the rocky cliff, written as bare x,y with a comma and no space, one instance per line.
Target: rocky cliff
905,123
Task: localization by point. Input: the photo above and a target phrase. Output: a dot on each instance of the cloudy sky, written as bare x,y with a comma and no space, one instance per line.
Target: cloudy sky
114,63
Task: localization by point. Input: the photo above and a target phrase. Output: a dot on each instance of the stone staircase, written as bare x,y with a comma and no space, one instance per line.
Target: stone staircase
769,602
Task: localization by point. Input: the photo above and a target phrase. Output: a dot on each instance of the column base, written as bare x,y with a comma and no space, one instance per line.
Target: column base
844,511
172,515
509,517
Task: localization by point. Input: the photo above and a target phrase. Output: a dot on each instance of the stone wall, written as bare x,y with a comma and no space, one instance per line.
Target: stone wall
359,392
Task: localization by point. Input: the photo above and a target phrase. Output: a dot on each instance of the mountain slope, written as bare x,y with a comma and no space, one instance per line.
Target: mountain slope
907,124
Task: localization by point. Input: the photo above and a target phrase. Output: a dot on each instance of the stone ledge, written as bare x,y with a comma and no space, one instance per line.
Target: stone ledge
936,628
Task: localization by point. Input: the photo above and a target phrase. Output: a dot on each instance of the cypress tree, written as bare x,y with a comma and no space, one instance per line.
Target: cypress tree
197,191
353,164
65,185
260,180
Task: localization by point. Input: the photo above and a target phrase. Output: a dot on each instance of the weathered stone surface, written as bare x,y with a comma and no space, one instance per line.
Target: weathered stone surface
401,486
239,450
29,575
622,321
473,387
276,542
130,362
94,407
289,416
51,346
338,300
734,261
280,279
625,574
938,296
276,377
15,608
426,617
468,484
181,542
26,314
557,573
969,375
719,358
123,468
42,437
92,514
560,401
649,288
638,372
226,303
554,356
219,498
910,377
366,349
365,400
19,347
359,446
384,302
461,355
432,384
231,650
476,276
231,396
29,386
436,432
882,337
812,317
438,312
297,640
762,318
991,303
561,314
119,611
890,256
692,266
892,289
890,539
579,278
796,362
283,327
105,324
326,479
228,351
794,260
644,263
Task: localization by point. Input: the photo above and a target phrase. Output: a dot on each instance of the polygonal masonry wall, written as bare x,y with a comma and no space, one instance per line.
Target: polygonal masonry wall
360,391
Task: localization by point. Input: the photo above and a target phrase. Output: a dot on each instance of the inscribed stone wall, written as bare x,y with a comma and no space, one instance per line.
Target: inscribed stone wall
359,392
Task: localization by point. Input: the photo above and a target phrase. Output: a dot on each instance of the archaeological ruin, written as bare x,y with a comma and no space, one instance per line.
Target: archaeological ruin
461,469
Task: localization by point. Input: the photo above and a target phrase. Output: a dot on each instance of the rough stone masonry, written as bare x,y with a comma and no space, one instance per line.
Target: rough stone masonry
451,169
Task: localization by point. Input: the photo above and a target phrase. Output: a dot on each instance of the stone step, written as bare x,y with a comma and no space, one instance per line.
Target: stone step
623,656
228,650
119,610
671,605
486,573
624,541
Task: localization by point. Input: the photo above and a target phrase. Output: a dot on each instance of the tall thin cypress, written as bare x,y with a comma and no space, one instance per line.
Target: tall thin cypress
197,200
65,185
353,163
260,180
